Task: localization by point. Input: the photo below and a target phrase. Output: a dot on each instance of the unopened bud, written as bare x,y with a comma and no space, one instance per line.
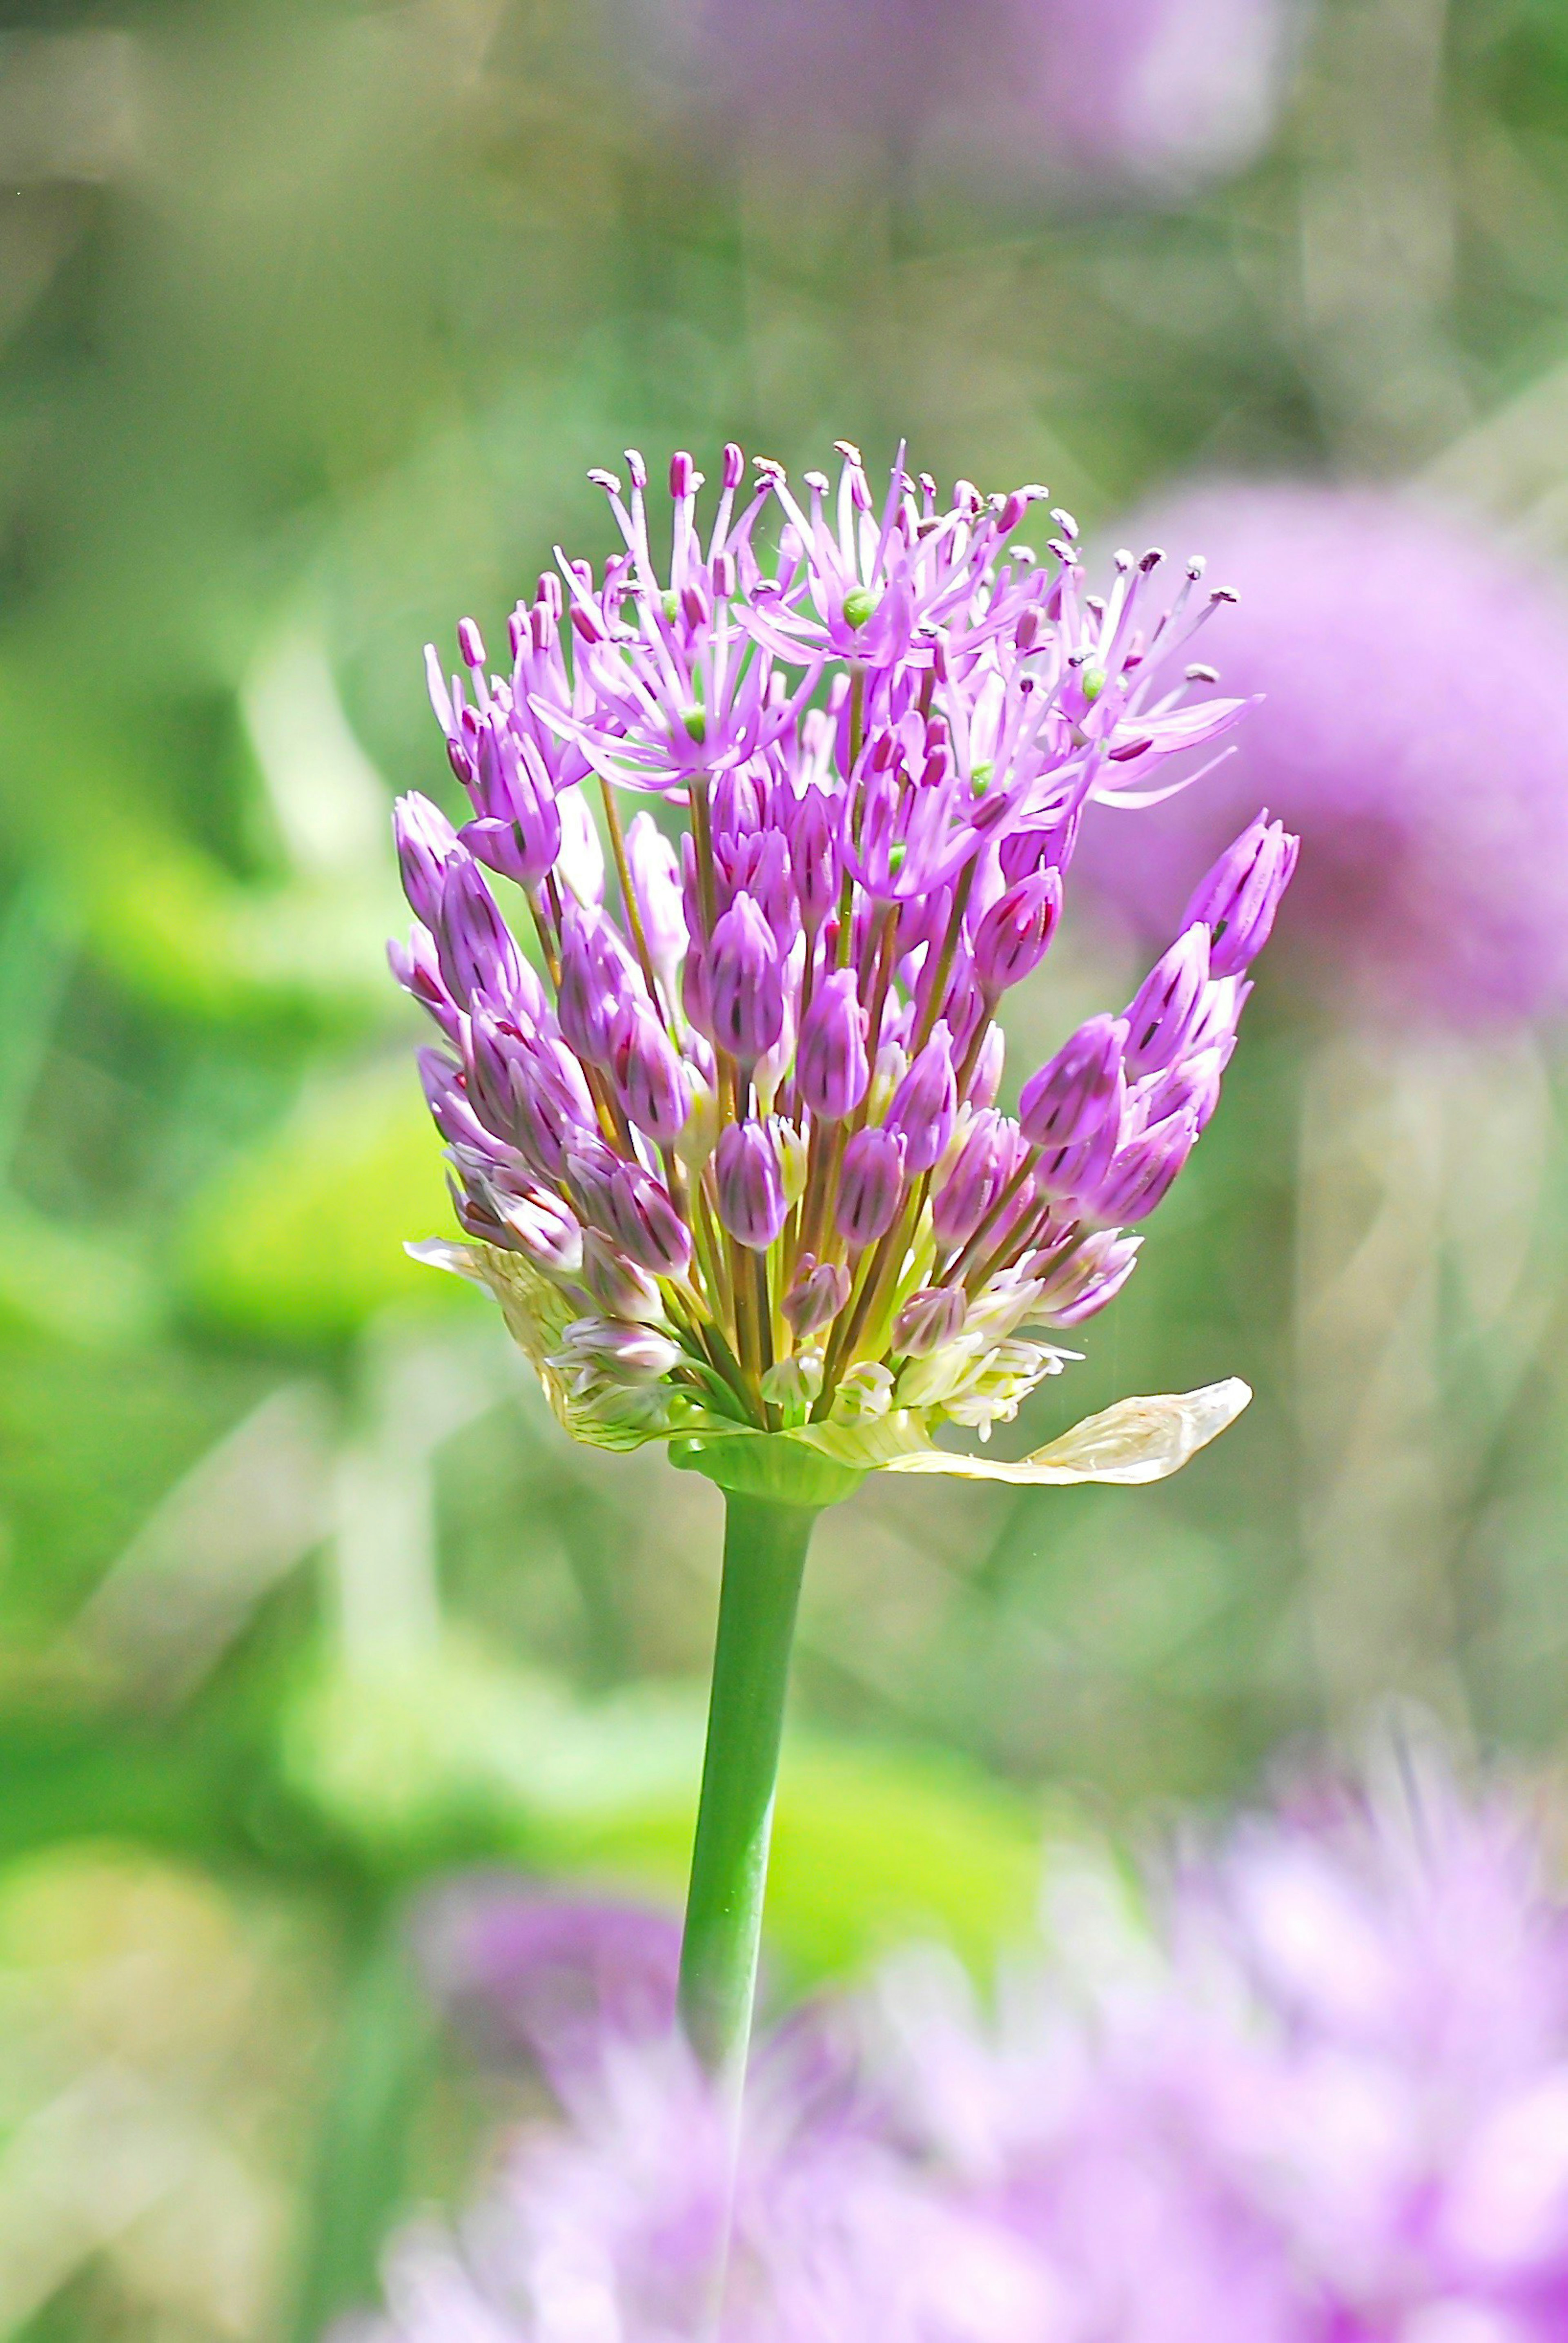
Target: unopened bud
929,1318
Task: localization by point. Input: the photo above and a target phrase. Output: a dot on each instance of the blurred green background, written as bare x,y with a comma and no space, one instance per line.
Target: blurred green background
312,317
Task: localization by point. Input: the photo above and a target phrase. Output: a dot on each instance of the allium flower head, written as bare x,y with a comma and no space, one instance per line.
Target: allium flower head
1320,2096
1413,684
713,1125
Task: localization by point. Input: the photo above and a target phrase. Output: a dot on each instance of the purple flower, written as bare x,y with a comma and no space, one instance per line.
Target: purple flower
1151,95
883,727
745,983
1311,2087
928,1319
925,1103
748,1184
831,1074
818,1292
871,1187
1409,726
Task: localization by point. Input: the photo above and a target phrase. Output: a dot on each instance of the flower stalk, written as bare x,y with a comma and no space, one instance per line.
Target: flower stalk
765,1544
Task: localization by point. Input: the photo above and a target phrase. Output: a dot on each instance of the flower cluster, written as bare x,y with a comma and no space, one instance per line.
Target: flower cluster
1325,2100
1427,784
724,1141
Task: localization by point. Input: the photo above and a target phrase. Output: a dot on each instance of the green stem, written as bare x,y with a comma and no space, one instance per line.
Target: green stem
765,1544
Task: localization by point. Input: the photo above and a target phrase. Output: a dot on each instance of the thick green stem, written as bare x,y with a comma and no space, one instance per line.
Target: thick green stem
765,1547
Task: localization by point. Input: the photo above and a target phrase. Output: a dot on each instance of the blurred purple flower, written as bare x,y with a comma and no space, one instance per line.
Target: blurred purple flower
1325,2100
1414,728
1151,96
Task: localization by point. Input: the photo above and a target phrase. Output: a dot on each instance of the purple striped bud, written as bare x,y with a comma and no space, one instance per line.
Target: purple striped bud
870,1186
1024,851
926,1102
745,983
625,1353
552,1111
983,1166
649,1074
427,845
1238,899
540,1225
819,1292
1015,933
598,979
1191,1086
1078,1170
1083,1277
473,943
448,1101
1143,1171
1164,1008
518,831
620,1288
813,858
419,971
831,1072
748,1185
1067,1100
929,1318
1219,1014
645,1224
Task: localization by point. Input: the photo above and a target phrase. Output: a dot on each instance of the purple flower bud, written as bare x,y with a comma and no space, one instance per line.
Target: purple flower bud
540,1225
473,942
427,845
1142,1171
649,1074
626,1354
1191,1086
984,1164
1083,1279
450,1109
929,1318
926,1102
819,1292
745,983
870,1186
748,1185
1219,1014
640,1217
598,978
1162,1011
518,832
1079,1170
814,856
1015,932
1067,1100
419,971
617,1283
831,1072
1238,899
1024,851
528,1088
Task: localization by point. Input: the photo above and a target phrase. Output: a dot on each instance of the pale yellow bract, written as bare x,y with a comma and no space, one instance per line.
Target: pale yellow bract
1132,1443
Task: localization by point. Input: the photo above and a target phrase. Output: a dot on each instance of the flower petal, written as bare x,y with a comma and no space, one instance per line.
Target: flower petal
1135,1440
